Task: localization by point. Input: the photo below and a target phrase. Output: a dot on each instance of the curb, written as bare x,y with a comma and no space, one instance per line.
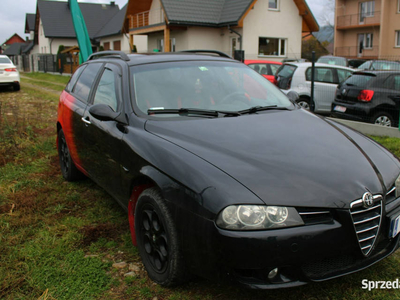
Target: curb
370,129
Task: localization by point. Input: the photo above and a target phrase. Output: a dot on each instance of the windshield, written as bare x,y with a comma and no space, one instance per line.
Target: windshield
218,86
339,61
4,60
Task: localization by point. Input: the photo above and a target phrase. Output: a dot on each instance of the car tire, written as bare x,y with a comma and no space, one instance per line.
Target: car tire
157,239
68,168
383,119
16,87
304,103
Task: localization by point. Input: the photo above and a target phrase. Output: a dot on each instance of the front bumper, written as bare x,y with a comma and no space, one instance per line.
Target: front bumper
302,254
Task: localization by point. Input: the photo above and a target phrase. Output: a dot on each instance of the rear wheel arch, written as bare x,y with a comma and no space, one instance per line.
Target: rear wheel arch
303,99
385,116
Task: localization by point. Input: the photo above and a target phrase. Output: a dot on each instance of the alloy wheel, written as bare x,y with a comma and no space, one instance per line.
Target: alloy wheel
155,240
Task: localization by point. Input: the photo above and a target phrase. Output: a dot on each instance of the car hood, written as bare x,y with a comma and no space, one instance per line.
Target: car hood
291,158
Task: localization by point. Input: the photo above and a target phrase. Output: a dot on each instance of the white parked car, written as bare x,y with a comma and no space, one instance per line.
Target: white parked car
9,74
297,77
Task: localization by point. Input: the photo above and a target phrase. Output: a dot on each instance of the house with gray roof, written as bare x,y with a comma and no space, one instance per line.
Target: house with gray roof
53,23
269,29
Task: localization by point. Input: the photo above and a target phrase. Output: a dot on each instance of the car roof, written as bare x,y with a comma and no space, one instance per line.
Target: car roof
308,64
261,61
146,58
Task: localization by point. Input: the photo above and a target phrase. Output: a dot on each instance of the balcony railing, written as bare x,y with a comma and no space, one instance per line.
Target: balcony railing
146,18
354,51
358,20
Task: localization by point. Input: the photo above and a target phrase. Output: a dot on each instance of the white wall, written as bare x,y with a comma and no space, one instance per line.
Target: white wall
283,23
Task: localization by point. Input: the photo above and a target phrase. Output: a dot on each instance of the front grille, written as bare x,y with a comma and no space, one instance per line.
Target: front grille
366,222
315,216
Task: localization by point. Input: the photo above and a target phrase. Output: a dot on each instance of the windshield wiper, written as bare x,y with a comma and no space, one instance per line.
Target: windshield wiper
255,109
190,112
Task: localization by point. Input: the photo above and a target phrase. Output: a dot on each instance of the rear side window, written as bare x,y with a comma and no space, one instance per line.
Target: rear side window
85,81
285,74
392,82
321,75
359,80
74,78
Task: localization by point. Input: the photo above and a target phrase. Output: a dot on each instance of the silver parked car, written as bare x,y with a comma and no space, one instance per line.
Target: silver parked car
297,77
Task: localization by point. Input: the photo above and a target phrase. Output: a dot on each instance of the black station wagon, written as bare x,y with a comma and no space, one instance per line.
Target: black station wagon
222,175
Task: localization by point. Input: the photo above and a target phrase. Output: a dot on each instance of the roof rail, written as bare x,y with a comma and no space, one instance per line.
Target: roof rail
222,54
120,54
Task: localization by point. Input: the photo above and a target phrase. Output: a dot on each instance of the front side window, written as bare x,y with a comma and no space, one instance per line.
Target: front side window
271,46
106,92
217,86
84,84
273,4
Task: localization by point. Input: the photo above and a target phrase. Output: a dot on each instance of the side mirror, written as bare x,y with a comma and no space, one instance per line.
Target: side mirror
103,112
293,96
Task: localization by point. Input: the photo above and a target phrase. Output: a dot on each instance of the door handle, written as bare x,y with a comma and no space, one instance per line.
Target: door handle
86,120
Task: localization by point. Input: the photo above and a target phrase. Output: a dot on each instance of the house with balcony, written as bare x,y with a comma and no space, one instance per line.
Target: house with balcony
262,28
367,29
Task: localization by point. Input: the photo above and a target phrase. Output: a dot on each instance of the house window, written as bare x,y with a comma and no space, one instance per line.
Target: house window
273,4
397,38
367,9
271,46
117,45
106,46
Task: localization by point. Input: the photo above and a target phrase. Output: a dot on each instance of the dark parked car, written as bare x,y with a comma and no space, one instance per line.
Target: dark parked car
222,176
369,96
355,63
380,65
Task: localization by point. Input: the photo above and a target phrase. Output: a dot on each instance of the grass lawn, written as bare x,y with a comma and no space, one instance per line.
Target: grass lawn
59,240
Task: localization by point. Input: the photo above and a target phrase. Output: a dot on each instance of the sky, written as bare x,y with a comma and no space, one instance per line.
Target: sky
12,14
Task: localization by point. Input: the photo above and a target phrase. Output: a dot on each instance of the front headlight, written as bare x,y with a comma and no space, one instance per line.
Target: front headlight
258,217
397,185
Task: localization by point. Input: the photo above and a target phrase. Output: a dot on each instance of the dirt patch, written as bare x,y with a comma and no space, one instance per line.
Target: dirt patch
92,233
6,208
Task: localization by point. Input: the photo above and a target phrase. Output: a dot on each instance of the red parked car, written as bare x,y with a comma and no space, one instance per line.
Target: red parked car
266,68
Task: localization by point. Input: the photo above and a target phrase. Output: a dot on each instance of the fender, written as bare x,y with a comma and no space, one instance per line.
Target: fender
153,177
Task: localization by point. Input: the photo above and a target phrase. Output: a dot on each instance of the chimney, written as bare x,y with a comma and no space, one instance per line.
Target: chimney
112,3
